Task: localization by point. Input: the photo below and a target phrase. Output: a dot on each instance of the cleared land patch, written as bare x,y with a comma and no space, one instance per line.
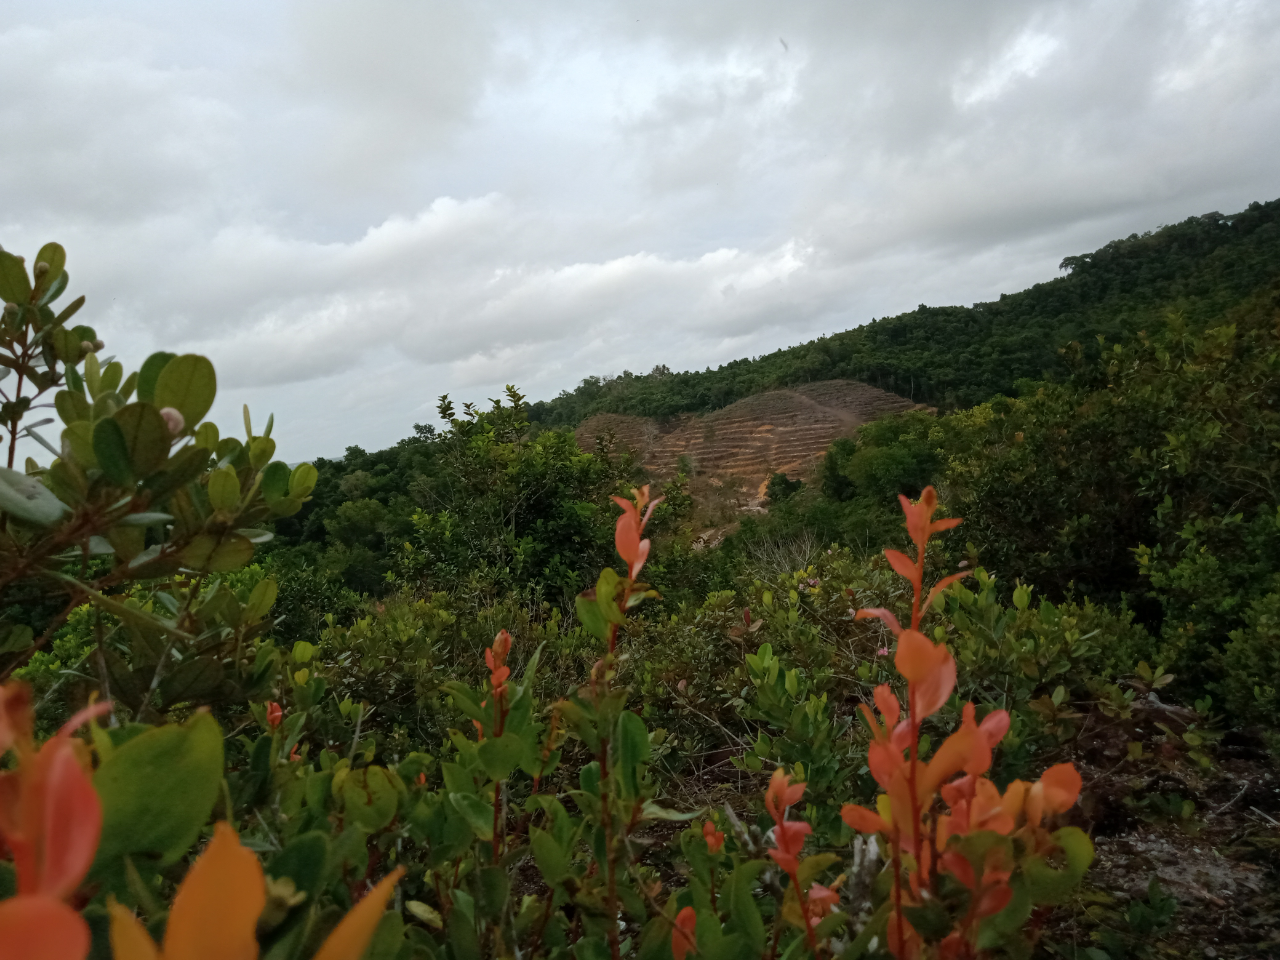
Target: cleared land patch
743,444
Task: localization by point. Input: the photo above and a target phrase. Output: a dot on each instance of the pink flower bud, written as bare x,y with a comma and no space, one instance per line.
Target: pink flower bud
174,419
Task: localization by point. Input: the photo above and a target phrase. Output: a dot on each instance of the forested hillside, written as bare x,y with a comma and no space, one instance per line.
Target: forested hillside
957,356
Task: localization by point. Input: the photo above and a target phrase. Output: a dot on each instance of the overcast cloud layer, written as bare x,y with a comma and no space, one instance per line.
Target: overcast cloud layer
353,207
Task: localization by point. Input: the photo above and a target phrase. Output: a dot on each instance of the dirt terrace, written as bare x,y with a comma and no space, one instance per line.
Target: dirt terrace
782,431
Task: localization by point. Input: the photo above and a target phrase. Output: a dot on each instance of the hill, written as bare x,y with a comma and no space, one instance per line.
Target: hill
956,356
738,447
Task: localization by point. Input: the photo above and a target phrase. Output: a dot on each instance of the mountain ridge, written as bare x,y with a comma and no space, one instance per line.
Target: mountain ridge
957,356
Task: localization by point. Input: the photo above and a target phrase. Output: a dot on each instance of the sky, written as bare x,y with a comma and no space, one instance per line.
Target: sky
354,207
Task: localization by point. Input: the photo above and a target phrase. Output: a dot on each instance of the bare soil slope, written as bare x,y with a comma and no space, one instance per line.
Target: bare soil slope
782,431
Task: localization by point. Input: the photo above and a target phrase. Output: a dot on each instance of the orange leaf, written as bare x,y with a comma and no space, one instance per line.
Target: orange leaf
887,702
918,657
903,565
993,900
129,938
994,726
862,820
626,537
682,933
1061,787
350,938
952,757
929,695
216,909
942,585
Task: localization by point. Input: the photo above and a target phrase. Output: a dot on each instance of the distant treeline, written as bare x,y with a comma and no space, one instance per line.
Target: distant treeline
954,357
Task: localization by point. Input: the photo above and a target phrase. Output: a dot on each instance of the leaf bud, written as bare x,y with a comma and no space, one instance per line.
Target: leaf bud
174,419
40,270
86,347
98,345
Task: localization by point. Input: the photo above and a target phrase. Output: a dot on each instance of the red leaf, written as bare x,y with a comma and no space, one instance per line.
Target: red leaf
863,820
903,565
942,585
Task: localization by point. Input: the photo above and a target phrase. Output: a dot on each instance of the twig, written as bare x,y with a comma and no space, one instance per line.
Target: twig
1230,802
1266,817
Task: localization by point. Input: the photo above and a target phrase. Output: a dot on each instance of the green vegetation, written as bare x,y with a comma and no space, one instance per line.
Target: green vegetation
440,656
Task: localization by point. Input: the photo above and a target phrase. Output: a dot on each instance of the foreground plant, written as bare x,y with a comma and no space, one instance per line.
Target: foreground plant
51,819
964,880
142,492
219,906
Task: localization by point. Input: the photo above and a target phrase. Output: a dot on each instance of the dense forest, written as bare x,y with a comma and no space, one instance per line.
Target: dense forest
954,357
992,680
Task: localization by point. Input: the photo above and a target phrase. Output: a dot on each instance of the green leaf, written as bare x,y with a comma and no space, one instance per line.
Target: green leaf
207,553
191,681
369,798
150,373
285,506
224,489
501,755
112,452
183,467
1046,884
158,790
146,519
303,480
15,285
56,258
111,376
551,859
303,861
206,436
590,616
17,639
632,744
146,437
1077,846
606,595
737,899
27,499
66,345
188,384
275,480
78,437
477,813
260,451
71,406
462,935
493,887
261,599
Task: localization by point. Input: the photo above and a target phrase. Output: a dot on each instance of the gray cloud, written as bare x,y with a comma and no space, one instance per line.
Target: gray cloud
356,207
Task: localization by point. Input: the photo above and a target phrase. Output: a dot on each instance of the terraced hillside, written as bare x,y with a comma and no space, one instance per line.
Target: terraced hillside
743,444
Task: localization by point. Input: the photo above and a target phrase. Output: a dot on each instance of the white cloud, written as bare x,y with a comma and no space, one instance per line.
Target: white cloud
1023,58
357,207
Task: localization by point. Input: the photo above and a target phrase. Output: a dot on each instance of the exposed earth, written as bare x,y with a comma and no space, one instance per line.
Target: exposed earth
737,448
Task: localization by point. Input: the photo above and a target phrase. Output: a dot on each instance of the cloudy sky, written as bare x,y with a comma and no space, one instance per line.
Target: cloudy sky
353,207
